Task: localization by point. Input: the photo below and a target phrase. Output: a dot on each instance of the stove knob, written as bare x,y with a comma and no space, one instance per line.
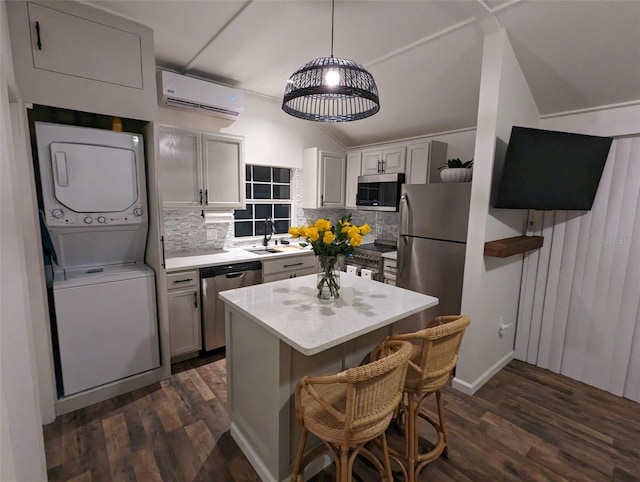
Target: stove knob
102,219
88,220
57,213
137,211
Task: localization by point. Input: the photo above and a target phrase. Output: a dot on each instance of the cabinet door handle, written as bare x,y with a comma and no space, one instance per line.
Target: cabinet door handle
38,40
162,243
206,197
195,299
321,199
200,197
186,280
294,264
382,166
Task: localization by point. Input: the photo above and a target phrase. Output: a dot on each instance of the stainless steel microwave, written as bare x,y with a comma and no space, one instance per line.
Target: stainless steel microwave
379,192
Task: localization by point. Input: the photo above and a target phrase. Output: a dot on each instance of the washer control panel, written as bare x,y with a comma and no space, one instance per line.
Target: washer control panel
65,217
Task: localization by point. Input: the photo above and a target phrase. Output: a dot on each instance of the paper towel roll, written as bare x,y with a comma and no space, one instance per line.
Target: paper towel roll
366,273
352,269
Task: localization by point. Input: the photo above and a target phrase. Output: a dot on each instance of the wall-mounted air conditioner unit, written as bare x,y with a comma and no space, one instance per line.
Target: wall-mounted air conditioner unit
175,90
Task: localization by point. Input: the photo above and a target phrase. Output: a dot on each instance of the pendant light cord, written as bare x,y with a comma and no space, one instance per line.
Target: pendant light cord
333,6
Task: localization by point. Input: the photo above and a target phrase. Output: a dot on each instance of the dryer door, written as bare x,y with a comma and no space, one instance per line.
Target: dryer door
90,178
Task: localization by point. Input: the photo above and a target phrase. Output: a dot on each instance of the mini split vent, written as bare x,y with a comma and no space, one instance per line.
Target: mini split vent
176,90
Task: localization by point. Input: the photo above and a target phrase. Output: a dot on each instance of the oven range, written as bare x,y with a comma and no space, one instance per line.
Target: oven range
368,257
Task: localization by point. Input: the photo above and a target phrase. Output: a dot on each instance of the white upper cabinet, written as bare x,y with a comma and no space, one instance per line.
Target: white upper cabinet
180,168
57,51
74,56
354,162
224,173
423,160
323,179
201,170
388,160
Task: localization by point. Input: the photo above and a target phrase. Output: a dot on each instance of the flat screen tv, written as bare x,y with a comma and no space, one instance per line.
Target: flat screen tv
550,170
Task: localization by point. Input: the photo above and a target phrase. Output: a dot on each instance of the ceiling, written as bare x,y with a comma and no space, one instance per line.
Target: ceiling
425,55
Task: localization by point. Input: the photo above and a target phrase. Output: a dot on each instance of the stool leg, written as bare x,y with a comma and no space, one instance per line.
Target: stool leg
412,437
442,423
343,470
386,460
296,467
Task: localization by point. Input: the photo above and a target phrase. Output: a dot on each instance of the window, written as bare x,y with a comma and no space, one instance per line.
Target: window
268,195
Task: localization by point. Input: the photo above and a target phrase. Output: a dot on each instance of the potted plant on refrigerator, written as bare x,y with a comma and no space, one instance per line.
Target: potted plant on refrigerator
456,171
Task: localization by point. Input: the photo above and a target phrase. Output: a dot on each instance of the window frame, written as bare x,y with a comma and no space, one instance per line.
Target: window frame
251,201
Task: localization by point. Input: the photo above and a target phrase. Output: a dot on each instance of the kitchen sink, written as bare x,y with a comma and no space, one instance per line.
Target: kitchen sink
274,249
262,251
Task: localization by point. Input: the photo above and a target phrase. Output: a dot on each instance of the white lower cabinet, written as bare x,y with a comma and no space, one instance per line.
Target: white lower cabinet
389,271
184,313
289,267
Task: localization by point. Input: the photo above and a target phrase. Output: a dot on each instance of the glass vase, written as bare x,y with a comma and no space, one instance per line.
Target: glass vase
328,286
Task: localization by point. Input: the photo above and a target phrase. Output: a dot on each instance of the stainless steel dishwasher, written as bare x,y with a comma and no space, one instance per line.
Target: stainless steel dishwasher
214,280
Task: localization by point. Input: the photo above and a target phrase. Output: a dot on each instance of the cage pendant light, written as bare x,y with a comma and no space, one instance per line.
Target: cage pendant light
331,89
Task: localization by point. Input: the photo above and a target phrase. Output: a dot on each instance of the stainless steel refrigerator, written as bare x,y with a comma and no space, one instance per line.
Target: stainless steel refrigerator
431,246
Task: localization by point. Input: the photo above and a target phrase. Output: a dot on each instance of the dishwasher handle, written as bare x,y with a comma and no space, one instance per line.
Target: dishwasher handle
238,274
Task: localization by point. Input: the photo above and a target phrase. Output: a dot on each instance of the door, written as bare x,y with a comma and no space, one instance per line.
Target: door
438,211
90,178
371,162
354,160
435,268
224,172
180,168
213,318
393,160
332,180
76,46
184,321
106,331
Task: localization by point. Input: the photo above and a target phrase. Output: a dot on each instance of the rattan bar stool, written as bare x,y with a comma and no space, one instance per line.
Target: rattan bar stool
433,357
348,409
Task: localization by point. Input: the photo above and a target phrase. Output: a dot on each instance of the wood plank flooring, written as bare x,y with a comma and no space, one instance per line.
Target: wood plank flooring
524,424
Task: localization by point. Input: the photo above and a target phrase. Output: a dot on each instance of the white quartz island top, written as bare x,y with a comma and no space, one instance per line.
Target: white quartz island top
291,311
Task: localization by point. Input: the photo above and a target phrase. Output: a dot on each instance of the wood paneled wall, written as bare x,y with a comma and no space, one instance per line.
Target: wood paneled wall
579,311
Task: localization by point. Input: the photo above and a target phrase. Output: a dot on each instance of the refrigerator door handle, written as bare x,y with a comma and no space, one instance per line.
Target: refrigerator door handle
404,214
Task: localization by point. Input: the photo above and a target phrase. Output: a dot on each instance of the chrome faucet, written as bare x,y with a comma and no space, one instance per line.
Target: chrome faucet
268,231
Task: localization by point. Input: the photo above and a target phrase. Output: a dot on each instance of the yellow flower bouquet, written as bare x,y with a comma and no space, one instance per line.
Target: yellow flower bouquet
329,241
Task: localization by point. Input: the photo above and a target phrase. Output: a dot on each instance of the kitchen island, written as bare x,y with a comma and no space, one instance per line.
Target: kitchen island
278,332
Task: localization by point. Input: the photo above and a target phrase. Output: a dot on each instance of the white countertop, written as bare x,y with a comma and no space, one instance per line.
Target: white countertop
290,309
234,255
391,255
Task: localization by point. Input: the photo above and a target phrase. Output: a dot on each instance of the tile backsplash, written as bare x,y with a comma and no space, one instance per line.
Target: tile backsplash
186,233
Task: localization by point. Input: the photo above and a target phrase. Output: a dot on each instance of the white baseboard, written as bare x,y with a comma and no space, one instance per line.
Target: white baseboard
259,466
469,388
265,474
110,390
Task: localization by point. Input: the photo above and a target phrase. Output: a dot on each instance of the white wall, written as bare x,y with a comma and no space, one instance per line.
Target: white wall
271,136
491,285
21,441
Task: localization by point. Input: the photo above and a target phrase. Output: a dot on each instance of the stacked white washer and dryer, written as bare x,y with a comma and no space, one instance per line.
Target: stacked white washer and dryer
95,209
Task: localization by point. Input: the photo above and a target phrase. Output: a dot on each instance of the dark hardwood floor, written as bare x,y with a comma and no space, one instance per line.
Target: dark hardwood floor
524,424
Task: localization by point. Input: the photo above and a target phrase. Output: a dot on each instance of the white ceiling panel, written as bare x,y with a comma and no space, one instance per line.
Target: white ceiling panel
181,27
577,55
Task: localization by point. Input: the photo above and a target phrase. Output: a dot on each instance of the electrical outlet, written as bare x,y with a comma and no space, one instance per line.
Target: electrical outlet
379,230
502,326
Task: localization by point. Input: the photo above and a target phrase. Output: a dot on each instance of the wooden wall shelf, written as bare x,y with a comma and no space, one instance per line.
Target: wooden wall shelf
503,248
